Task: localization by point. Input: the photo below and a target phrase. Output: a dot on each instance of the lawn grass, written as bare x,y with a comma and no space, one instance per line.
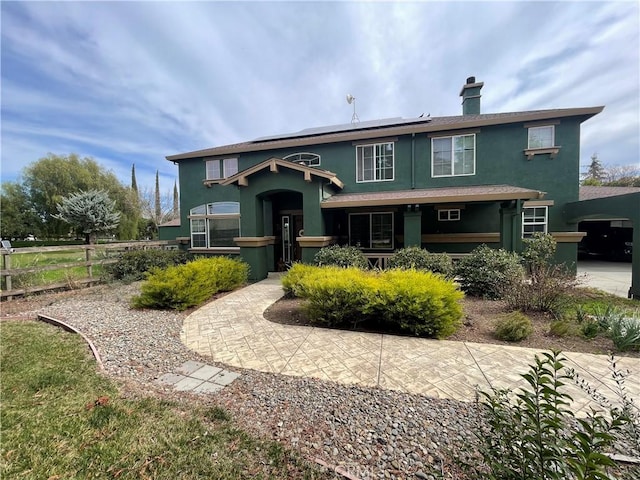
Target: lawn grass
62,420
41,259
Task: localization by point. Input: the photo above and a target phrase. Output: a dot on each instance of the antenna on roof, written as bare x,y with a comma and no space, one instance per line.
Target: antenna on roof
352,100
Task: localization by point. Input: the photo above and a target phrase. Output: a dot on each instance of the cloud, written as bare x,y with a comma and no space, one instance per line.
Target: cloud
129,82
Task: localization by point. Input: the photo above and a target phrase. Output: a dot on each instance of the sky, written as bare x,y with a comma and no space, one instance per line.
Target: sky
132,82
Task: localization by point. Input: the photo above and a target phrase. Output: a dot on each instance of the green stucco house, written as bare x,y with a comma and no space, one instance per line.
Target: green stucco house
447,184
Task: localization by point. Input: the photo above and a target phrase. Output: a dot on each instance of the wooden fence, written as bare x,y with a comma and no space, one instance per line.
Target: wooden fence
101,254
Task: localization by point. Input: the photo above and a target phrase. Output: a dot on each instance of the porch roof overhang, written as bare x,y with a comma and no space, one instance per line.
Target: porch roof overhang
274,164
483,193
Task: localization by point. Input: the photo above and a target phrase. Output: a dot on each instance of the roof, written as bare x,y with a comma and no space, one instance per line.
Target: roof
171,223
383,128
432,195
273,164
592,192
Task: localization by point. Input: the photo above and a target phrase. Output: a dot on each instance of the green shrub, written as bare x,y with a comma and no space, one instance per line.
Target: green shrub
419,303
533,434
133,265
560,328
341,256
182,286
421,259
411,301
487,272
513,327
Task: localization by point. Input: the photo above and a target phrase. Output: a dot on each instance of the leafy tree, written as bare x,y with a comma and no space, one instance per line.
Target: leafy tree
54,177
90,213
17,217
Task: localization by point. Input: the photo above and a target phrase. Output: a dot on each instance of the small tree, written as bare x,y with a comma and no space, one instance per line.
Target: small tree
90,213
596,172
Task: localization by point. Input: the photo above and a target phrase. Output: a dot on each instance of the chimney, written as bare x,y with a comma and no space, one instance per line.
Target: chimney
470,94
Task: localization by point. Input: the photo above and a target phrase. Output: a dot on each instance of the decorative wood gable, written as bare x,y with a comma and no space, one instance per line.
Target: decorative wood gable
274,165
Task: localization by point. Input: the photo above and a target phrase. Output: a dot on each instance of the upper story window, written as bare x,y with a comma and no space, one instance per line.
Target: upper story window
306,158
542,137
220,168
215,225
374,163
534,219
453,156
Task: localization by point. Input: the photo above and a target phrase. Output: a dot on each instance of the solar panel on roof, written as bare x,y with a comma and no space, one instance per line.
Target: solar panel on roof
346,127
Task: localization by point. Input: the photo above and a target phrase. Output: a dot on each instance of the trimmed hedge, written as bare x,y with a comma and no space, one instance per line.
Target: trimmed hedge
488,272
183,286
135,264
410,301
421,259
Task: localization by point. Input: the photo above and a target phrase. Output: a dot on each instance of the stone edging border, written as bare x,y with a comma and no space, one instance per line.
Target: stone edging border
69,328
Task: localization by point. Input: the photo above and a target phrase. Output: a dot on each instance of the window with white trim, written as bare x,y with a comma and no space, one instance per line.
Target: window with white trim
374,163
541,137
449,215
219,168
453,156
215,225
534,219
371,230
306,158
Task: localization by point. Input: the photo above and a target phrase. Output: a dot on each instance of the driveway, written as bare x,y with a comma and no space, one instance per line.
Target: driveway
612,277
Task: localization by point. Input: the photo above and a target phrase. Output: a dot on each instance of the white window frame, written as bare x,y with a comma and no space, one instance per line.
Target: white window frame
208,213
449,215
220,168
376,159
370,215
307,158
452,140
534,220
531,134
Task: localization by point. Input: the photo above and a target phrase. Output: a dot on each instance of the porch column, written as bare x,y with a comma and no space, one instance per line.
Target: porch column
413,228
313,223
634,290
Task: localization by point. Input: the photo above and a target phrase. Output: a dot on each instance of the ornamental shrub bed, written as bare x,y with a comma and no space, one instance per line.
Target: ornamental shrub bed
341,256
409,301
183,286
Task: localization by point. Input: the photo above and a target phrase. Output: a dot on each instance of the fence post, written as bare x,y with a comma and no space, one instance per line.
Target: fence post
90,265
6,261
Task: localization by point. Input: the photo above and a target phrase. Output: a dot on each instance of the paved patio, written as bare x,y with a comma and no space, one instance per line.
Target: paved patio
232,330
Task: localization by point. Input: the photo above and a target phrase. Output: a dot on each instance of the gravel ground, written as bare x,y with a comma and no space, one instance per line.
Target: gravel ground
369,432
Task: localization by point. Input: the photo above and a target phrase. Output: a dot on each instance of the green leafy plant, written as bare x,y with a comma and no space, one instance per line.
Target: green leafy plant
183,286
134,265
411,301
487,272
590,328
624,331
421,259
341,256
533,434
513,327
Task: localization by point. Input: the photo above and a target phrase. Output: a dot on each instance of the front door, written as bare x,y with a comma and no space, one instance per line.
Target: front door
290,228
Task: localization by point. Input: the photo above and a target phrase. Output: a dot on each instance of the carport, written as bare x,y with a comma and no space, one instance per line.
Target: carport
608,202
